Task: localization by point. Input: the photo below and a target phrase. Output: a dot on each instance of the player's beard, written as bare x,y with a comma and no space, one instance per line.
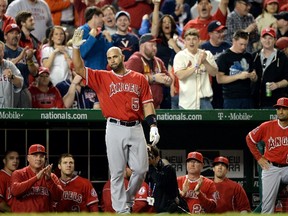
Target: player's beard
117,68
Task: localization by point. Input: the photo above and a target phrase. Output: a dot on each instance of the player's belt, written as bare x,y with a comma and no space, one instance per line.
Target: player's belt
278,165
124,123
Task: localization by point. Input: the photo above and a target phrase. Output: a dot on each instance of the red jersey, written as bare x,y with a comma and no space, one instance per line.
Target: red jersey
275,138
78,195
231,197
141,204
50,99
5,190
131,90
205,201
31,194
202,24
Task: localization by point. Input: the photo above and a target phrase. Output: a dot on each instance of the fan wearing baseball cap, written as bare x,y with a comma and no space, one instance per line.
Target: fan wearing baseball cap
216,45
266,18
35,187
271,68
146,62
274,164
231,195
44,94
128,42
198,191
21,57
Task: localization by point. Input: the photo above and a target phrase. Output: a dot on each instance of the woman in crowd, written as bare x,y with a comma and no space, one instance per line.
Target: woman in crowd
165,29
266,19
56,56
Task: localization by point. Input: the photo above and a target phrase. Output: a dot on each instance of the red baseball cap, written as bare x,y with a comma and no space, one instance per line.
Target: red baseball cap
282,43
270,1
221,159
282,102
36,148
11,27
269,31
43,70
195,156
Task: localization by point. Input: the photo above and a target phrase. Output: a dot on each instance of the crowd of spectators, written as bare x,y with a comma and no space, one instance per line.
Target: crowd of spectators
37,33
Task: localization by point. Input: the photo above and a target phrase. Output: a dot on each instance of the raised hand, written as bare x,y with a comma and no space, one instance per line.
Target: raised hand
77,40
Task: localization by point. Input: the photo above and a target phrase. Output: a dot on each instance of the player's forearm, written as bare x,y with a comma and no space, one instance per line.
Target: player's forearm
149,109
253,148
19,187
78,63
54,188
208,204
93,207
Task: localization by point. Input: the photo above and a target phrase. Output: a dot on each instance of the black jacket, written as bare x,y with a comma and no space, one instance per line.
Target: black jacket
275,72
162,181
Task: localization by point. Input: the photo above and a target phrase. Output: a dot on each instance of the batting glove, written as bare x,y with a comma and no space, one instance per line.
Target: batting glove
77,38
154,136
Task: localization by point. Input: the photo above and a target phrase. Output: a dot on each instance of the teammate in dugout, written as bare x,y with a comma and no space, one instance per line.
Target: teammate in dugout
34,187
11,163
198,191
274,162
79,194
125,98
231,197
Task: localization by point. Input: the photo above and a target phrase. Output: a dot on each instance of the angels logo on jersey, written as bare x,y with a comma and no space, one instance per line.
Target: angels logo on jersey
124,87
142,190
274,142
93,193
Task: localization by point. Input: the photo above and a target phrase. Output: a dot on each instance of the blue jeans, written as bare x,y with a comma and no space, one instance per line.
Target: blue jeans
205,104
175,102
237,103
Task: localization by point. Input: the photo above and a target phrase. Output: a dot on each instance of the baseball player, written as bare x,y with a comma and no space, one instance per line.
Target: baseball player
35,188
79,194
274,162
230,195
11,163
197,190
125,98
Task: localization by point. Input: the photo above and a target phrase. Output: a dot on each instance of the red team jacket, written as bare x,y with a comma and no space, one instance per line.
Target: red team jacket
31,194
5,190
231,197
205,201
78,195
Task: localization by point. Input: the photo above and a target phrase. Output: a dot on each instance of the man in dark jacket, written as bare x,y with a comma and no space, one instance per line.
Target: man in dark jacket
162,181
271,68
